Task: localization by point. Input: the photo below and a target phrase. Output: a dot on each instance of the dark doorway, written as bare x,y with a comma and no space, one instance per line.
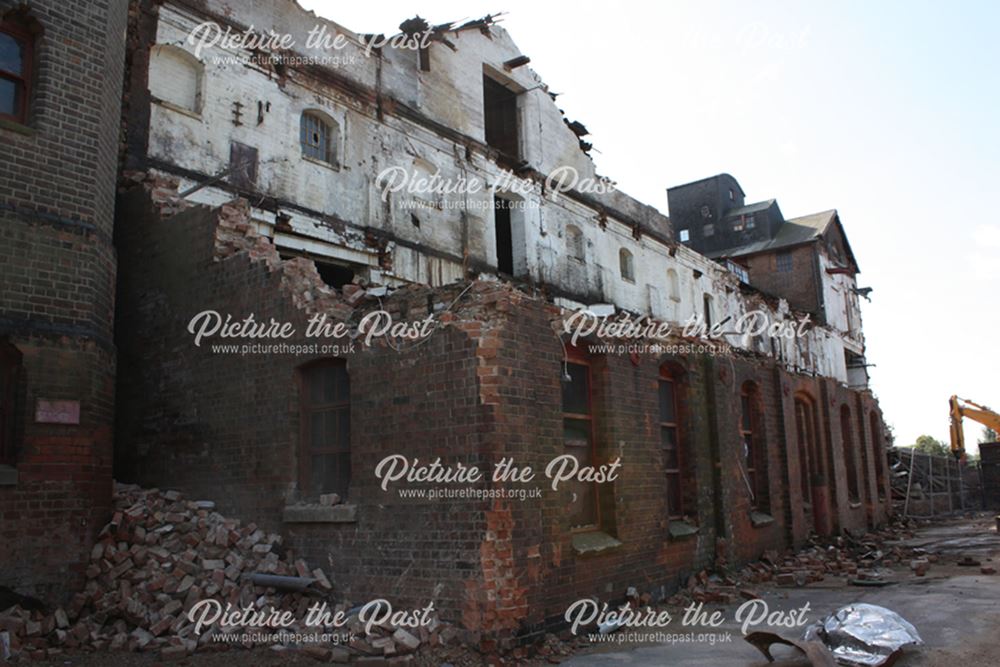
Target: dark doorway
500,117
505,239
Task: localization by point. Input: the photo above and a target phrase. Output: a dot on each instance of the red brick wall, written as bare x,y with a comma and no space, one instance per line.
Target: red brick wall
486,386
798,287
57,274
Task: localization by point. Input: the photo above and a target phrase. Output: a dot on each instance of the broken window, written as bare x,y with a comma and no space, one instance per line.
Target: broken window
500,117
754,448
578,436
10,365
849,461
175,77
575,243
783,261
504,236
670,444
319,136
325,451
708,229
16,50
424,59
707,306
626,265
335,275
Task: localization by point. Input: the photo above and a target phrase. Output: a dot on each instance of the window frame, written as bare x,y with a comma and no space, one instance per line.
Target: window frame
578,357
805,424
666,375
576,243
756,458
854,495
306,481
626,265
23,80
783,261
331,129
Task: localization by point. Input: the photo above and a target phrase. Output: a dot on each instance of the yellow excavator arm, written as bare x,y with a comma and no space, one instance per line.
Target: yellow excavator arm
962,407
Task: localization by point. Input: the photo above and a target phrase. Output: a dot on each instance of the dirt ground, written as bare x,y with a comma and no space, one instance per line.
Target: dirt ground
955,609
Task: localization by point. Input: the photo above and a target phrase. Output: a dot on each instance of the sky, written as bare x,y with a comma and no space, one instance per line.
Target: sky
886,111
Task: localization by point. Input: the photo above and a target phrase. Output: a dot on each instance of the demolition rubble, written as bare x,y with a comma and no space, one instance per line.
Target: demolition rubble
161,555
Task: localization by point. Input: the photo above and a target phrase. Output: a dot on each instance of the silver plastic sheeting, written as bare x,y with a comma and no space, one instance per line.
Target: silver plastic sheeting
863,634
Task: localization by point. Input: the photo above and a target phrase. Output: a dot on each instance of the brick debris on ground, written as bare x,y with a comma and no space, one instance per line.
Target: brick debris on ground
159,556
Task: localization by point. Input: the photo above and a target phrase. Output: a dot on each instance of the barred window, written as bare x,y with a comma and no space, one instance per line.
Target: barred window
318,137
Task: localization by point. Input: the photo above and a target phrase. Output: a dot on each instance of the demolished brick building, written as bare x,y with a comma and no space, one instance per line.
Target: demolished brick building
257,183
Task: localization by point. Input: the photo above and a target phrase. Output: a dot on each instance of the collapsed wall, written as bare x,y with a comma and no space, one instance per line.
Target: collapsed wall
484,387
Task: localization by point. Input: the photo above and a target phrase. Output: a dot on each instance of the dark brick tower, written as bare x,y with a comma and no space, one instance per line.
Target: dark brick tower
60,99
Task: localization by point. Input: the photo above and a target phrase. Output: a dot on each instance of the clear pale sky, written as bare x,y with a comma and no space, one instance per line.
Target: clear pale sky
885,111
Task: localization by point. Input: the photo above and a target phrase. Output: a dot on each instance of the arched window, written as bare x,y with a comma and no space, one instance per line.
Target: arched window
575,244
319,135
17,43
850,462
175,77
626,265
878,449
673,285
325,428
805,432
754,448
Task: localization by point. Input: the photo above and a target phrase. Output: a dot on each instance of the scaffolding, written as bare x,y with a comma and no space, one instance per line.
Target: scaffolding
928,485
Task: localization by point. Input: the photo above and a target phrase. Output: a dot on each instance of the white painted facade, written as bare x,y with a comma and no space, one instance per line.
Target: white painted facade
559,241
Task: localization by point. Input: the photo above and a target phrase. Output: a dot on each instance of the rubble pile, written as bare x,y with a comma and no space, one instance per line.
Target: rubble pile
160,555
858,560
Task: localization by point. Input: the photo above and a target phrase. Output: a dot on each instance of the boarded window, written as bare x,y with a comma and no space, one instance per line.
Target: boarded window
175,77
578,438
319,137
500,117
626,265
575,243
325,458
673,285
242,165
